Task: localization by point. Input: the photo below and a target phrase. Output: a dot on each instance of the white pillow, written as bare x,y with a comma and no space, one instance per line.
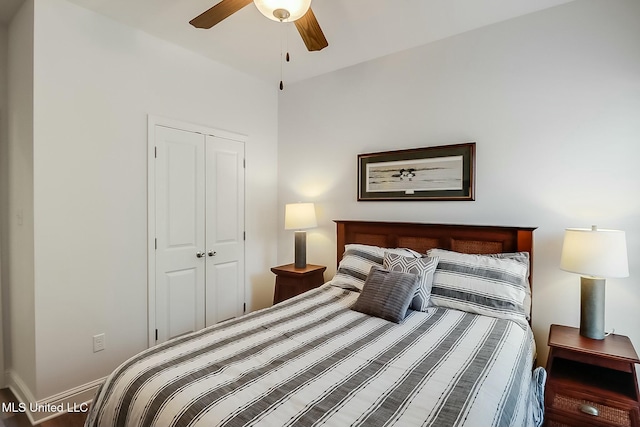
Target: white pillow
480,284
523,258
357,261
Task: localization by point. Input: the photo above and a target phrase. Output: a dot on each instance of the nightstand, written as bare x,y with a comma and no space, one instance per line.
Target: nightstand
591,382
291,281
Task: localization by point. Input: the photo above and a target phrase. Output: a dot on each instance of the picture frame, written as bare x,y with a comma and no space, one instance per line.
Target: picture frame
445,172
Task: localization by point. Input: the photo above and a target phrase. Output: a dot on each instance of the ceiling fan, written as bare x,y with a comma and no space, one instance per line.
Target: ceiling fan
298,11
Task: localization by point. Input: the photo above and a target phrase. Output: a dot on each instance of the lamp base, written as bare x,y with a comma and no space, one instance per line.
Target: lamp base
592,308
300,249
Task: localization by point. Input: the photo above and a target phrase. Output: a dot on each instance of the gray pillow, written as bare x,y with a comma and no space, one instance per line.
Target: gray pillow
423,267
387,294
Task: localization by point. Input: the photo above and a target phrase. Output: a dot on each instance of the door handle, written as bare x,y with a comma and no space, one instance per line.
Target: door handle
199,254
212,253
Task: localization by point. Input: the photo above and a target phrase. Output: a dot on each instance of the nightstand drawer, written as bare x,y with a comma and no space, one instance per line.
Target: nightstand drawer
554,423
609,413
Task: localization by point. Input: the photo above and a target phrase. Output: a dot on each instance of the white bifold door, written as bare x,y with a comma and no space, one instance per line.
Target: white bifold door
199,227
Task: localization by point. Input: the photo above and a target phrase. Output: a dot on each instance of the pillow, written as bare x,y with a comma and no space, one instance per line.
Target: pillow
357,261
523,258
423,267
480,284
387,294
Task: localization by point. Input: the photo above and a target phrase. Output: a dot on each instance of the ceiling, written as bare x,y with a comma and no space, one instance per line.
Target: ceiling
357,30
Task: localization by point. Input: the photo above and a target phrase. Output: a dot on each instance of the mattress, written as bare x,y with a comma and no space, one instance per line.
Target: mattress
311,360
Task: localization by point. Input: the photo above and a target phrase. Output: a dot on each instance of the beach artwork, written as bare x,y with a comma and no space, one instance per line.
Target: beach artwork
409,176
444,172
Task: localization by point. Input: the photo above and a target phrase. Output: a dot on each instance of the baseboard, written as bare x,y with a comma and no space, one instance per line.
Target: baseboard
20,391
74,400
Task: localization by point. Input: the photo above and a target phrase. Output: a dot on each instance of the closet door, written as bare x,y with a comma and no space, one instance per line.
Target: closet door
196,227
224,229
180,232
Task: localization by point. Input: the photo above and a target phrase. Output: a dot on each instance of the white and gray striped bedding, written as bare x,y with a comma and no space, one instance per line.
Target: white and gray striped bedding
312,361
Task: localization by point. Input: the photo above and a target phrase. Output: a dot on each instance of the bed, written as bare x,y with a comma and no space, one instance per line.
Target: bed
314,360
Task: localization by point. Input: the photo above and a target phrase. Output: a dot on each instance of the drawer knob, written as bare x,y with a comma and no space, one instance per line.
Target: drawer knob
588,409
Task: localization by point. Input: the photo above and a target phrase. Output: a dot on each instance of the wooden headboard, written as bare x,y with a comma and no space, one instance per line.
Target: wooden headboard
471,239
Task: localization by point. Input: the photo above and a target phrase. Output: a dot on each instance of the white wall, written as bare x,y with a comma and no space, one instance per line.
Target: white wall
552,100
95,81
18,291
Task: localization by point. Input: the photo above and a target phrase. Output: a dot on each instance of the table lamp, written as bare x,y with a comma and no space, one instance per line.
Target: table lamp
300,216
595,254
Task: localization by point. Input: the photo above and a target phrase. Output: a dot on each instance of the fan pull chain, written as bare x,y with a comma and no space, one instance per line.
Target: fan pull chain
281,85
284,46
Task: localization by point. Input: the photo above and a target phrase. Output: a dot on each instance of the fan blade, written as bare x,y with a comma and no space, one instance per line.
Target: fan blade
217,13
311,32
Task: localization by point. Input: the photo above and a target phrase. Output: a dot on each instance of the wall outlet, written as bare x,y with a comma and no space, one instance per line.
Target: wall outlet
98,343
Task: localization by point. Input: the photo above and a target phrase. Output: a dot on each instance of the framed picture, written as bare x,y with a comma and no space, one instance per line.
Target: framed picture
444,172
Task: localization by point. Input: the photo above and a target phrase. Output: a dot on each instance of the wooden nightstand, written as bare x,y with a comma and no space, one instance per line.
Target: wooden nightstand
291,281
586,374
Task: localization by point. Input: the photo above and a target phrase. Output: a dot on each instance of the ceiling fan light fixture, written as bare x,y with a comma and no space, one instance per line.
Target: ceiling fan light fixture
283,10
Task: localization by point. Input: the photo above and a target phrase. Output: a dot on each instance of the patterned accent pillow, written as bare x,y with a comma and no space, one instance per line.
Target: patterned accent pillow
479,284
423,267
387,294
357,261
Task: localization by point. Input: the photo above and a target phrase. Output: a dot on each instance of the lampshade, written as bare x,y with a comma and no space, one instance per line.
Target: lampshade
283,10
298,216
595,252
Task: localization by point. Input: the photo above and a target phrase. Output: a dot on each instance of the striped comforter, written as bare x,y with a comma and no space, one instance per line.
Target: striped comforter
312,361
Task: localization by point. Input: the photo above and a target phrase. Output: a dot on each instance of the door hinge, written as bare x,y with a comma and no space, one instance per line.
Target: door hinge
156,239
244,308
155,152
244,163
244,235
156,335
